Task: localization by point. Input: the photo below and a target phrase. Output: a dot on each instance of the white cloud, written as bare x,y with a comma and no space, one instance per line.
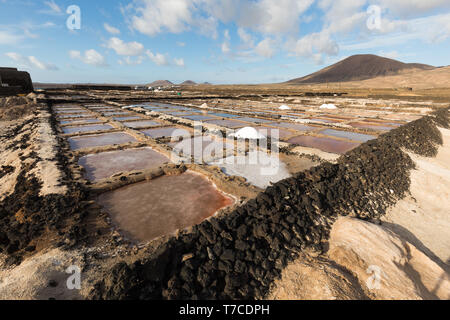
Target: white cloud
179,62
151,17
392,54
90,57
31,61
265,48
431,29
314,45
245,37
410,8
125,48
9,38
158,58
131,62
181,44
155,16
225,47
275,16
53,8
111,29
226,34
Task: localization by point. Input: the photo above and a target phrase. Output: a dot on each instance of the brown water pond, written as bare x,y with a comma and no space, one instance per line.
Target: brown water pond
348,135
165,132
227,123
80,121
267,131
126,118
294,126
88,128
141,124
106,164
147,210
373,126
100,140
324,144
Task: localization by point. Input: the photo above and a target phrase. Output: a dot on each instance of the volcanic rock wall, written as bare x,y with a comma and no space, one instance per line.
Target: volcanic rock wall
237,256
17,81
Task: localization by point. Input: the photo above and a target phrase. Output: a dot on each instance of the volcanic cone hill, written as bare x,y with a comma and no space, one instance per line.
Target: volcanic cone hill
360,67
160,83
188,83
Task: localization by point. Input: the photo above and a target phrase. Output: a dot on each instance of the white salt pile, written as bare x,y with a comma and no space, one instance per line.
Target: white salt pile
284,107
328,106
259,168
248,133
204,105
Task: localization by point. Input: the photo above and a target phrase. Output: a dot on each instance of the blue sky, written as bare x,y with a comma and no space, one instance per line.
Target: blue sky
219,41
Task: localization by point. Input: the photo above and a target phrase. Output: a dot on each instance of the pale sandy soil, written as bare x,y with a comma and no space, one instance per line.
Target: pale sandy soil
30,280
424,218
11,158
407,257
43,142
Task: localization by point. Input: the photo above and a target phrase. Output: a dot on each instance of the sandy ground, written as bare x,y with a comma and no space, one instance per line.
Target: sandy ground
424,218
43,142
407,257
41,277
11,158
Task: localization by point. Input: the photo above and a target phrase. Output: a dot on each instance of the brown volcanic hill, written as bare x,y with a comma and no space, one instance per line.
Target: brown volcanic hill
188,83
360,67
160,83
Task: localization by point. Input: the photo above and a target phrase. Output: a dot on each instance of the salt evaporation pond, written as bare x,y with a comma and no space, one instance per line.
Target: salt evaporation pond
166,132
141,124
324,144
348,135
227,123
100,140
259,168
88,128
201,148
147,210
106,164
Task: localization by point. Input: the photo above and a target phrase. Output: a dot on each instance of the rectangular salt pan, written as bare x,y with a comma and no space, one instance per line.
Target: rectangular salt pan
87,128
324,144
100,140
165,132
80,121
141,124
259,168
147,210
348,135
227,123
106,164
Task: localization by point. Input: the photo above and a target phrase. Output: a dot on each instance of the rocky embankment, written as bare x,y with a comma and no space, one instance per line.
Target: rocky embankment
240,255
39,205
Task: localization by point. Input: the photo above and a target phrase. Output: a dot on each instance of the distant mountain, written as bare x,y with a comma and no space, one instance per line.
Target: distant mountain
188,83
160,83
360,67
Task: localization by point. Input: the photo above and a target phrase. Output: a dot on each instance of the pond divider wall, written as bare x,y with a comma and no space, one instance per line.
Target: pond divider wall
240,254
